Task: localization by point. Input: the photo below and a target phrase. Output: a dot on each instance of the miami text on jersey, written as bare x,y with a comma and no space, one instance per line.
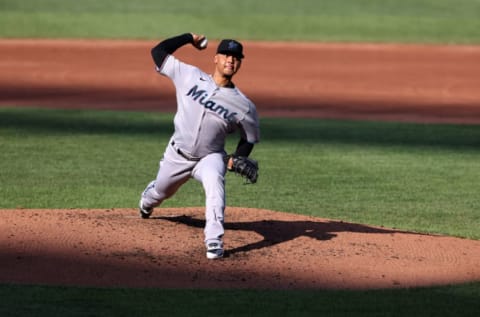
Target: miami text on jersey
200,95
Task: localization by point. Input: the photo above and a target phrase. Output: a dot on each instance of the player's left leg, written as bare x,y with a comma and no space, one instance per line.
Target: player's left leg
210,171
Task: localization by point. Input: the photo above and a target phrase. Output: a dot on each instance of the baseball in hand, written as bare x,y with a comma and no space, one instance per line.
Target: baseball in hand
203,43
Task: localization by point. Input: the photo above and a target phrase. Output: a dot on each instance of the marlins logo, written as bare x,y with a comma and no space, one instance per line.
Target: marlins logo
232,45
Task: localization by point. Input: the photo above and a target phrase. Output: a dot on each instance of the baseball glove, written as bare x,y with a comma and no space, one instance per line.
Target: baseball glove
243,166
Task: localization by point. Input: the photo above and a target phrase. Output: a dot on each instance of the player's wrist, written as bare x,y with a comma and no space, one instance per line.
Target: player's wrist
230,163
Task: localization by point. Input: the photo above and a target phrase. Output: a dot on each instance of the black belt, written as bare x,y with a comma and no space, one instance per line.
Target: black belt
185,155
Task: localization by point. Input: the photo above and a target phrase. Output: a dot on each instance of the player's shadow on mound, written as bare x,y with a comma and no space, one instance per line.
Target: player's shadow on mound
277,231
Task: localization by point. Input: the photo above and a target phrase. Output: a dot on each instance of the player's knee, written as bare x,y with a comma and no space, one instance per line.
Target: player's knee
214,184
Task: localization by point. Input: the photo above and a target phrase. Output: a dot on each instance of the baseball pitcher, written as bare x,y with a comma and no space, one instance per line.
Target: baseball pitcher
209,107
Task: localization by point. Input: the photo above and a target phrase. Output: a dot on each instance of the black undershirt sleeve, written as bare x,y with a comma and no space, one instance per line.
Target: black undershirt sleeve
169,46
244,148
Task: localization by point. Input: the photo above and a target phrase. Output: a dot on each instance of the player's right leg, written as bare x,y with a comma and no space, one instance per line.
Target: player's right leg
172,174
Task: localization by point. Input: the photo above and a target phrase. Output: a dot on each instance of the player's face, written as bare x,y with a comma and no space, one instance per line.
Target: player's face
227,65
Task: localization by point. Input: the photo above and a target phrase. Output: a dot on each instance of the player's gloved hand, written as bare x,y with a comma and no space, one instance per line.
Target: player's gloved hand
243,166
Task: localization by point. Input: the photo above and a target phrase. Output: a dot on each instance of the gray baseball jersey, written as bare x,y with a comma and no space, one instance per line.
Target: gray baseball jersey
207,113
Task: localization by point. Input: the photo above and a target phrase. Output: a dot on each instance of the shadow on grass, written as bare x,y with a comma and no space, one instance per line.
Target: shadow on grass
28,300
43,121
373,133
47,121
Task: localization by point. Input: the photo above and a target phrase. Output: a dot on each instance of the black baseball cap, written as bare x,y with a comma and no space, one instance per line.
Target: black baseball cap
231,47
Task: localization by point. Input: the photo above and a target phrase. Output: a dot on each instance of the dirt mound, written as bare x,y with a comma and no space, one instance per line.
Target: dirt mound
265,249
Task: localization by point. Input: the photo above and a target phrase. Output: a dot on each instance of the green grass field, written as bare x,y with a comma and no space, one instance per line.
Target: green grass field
410,176
429,21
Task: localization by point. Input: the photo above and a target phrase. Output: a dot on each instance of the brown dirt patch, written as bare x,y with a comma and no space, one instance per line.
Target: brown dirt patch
374,82
266,249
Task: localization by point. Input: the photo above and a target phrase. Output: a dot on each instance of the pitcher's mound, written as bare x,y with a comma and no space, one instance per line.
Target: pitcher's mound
264,250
